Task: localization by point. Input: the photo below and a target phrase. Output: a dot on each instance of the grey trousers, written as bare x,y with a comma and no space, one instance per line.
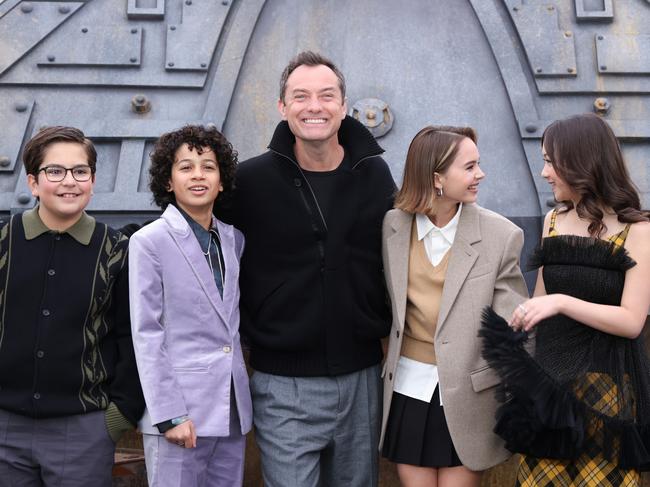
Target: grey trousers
71,451
318,431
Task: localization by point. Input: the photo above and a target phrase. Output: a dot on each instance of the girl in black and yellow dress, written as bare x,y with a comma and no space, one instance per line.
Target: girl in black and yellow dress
578,409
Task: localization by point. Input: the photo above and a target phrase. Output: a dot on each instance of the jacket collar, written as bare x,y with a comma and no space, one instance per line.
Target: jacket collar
357,141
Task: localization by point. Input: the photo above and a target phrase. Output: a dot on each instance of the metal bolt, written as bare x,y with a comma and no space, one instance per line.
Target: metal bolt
24,198
571,70
4,161
20,107
601,105
225,2
550,8
515,9
51,58
84,30
539,70
140,104
371,114
134,31
64,9
26,8
567,33
204,65
170,64
188,2
531,128
600,38
603,68
133,59
172,27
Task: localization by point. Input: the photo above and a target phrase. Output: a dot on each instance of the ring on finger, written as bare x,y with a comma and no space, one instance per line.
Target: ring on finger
522,308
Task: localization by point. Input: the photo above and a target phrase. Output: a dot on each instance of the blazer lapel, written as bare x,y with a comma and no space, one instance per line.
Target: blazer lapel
189,247
461,260
397,249
231,261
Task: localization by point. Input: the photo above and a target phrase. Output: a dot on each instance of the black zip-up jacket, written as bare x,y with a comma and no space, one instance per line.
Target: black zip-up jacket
313,300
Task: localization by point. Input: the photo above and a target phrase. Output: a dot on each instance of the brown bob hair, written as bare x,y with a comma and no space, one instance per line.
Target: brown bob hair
36,147
432,150
586,154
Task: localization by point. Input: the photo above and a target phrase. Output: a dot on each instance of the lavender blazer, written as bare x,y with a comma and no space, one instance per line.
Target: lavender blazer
186,337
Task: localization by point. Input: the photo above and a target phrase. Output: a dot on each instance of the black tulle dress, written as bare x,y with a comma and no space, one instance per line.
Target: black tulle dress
578,409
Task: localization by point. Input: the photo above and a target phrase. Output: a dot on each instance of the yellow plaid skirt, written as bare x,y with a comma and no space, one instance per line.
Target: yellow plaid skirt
591,469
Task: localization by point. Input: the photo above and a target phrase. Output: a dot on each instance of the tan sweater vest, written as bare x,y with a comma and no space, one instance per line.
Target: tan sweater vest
424,292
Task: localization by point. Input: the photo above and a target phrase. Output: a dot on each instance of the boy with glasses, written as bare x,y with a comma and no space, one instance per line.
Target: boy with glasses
68,380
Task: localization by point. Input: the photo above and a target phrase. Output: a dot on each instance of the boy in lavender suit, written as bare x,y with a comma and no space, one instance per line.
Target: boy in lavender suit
185,317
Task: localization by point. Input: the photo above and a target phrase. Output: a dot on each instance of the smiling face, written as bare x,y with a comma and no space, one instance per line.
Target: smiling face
313,104
195,179
61,203
561,190
459,183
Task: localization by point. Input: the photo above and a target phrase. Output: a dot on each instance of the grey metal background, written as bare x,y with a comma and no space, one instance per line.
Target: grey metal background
125,71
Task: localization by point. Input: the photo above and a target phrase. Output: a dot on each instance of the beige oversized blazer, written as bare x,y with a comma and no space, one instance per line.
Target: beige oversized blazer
483,270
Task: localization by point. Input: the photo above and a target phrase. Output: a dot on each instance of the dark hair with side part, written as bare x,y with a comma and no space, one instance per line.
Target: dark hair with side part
309,58
37,146
197,137
585,153
432,150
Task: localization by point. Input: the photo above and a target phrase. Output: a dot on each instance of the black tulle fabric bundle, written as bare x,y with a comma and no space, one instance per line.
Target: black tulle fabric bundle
581,389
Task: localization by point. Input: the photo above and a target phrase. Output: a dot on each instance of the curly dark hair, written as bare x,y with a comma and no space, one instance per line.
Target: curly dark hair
196,137
586,154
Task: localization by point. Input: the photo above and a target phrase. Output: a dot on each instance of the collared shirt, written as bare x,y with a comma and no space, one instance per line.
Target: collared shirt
209,240
437,240
81,231
414,379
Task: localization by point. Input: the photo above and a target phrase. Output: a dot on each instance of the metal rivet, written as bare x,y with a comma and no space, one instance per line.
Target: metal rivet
568,33
171,65
84,30
371,114
601,105
188,2
600,38
531,128
64,9
133,59
140,104
26,8
134,31
172,27
515,9
225,2
4,161
603,68
203,65
51,58
550,8
375,114
20,107
571,70
539,70
24,198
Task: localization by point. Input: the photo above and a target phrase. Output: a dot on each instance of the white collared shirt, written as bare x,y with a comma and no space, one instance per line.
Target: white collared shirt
414,379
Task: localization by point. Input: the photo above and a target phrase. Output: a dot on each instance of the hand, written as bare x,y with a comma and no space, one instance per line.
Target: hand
183,435
529,313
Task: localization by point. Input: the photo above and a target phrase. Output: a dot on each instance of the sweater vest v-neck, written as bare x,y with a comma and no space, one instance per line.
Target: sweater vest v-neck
423,296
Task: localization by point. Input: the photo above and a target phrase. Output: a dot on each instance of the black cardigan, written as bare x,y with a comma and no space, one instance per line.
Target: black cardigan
313,297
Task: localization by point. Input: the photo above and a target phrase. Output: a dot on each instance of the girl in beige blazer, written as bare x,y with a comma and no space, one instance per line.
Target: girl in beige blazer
472,260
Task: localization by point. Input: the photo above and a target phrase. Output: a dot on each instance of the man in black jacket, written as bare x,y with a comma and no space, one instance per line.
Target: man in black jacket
313,300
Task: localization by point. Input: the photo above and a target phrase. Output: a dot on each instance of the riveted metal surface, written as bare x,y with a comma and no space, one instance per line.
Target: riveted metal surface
23,28
136,11
191,43
550,49
15,116
98,46
591,10
623,53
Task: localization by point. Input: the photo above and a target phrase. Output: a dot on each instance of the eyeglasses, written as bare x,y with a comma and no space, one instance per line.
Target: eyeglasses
56,174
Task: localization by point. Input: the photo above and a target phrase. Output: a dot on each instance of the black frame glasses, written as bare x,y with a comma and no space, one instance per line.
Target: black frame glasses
55,173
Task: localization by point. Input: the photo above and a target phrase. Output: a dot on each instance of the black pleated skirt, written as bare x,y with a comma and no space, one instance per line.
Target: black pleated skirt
417,433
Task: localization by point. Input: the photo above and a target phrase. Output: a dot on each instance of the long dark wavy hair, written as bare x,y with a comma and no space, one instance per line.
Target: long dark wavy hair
196,137
587,156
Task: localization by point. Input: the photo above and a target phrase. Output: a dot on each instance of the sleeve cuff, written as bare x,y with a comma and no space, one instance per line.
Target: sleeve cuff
116,423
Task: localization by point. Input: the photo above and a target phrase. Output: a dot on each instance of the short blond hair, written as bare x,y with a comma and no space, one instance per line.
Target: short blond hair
432,150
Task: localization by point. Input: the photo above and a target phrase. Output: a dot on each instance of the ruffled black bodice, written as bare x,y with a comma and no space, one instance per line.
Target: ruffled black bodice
582,388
